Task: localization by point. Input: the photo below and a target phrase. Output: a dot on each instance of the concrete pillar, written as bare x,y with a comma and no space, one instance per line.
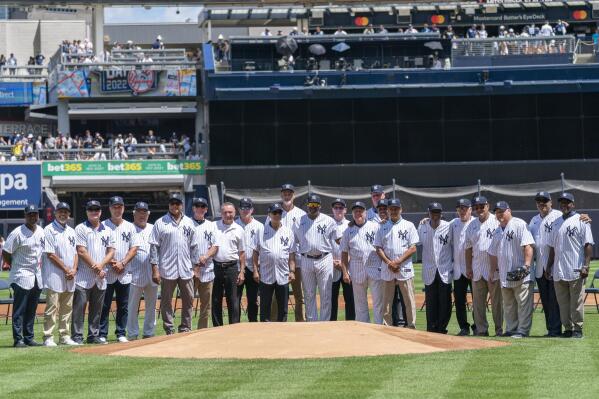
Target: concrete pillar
98,28
202,129
64,125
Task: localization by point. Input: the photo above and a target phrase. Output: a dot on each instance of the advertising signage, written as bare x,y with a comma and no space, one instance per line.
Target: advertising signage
132,167
20,185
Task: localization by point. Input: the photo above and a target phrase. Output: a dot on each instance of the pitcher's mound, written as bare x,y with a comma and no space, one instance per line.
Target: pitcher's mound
293,341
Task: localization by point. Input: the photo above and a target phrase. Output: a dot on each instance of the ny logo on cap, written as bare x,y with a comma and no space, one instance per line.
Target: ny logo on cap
72,241
370,237
285,241
548,227
509,236
187,231
126,236
443,240
489,233
571,231
321,229
402,234
105,241
208,236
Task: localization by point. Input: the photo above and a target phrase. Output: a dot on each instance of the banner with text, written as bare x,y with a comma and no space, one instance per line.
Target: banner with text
133,167
20,185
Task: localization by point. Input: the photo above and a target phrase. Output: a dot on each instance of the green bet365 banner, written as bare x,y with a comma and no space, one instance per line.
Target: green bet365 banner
132,167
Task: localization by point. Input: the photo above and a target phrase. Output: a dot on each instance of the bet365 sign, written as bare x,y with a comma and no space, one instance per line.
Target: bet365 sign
20,185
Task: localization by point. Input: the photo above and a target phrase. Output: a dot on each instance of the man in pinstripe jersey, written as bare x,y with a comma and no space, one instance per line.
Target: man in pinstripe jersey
437,268
95,247
59,268
118,277
377,194
276,249
339,210
22,251
141,277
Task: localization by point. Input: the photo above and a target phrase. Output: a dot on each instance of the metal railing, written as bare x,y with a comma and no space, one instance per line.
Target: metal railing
138,151
510,46
23,72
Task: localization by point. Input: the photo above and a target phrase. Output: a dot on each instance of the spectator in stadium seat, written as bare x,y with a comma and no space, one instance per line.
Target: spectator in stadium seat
369,30
130,143
472,33
266,32
158,44
120,153
31,61
147,59
12,64
2,60
98,140
39,145
294,32
482,32
561,28
411,29
340,31
382,30
88,140
546,30
39,59
449,33
425,29
150,138
119,140
318,32
3,141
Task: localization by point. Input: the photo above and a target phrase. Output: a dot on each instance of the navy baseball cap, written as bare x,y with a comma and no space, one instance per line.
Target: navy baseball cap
358,204
501,205
175,197
63,205
200,201
464,202
382,202
435,207
288,186
31,209
543,196
338,201
116,200
142,206
246,203
276,207
480,200
93,204
566,197
394,202
314,198
376,188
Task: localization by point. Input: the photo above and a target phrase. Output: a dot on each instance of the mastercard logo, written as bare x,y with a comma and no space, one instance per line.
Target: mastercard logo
438,19
361,21
580,14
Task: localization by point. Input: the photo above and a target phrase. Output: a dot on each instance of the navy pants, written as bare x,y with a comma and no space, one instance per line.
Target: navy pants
398,311
438,305
460,292
282,296
23,312
225,282
122,303
550,306
348,298
251,291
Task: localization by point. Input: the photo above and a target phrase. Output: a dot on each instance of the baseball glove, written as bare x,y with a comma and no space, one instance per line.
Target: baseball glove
518,274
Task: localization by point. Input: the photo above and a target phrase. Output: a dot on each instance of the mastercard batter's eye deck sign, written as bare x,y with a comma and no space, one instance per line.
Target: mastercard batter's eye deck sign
136,82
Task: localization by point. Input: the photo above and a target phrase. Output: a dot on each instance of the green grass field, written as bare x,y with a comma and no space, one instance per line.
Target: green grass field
528,368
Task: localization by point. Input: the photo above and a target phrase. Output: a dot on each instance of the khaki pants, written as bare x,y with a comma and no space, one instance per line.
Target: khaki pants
481,289
570,297
204,291
58,304
517,308
167,288
407,291
298,298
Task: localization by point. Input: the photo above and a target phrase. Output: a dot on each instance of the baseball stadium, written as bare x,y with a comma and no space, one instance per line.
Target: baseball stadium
299,199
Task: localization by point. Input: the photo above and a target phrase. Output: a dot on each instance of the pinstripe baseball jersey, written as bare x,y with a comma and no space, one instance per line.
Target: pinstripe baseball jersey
568,239
26,248
341,227
507,247
288,219
395,239
541,228
252,231
206,237
437,251
274,247
231,241
175,246
125,237
60,240
372,214
479,237
140,267
315,237
96,241
358,242
458,232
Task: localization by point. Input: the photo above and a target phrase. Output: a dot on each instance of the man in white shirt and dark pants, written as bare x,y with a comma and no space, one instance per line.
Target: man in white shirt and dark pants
437,268
511,254
22,251
568,265
229,266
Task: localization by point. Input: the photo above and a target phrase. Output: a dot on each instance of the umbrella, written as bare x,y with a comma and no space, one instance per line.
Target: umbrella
434,45
286,45
317,49
341,47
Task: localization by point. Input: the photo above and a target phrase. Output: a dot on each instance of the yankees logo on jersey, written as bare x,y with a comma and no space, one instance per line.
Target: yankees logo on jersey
489,233
42,242
571,231
402,234
208,236
444,239
252,233
509,236
370,237
284,241
126,236
321,229
72,241
548,227
105,241
187,230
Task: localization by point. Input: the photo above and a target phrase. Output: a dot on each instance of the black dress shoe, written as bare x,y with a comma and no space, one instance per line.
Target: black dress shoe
20,344
96,341
577,334
567,334
463,332
33,343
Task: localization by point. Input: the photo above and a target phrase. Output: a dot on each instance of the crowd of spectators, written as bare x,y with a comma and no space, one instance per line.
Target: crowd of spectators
11,63
88,146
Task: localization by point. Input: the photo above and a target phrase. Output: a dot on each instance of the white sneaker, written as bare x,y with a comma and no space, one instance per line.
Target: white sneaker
49,342
69,341
102,339
122,339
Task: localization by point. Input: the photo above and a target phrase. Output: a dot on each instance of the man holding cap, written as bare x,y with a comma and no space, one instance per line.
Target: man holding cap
141,277
437,268
511,254
395,244
571,249
377,194
316,234
339,209
253,230
59,266
95,247
207,241
118,277
275,248
361,265
174,253
485,282
22,251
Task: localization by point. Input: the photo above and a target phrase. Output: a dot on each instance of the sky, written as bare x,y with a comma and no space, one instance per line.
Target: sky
154,14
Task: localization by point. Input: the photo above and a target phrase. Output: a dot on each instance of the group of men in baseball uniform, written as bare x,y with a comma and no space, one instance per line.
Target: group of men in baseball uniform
492,254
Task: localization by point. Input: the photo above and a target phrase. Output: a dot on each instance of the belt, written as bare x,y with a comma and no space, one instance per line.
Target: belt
315,256
226,264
